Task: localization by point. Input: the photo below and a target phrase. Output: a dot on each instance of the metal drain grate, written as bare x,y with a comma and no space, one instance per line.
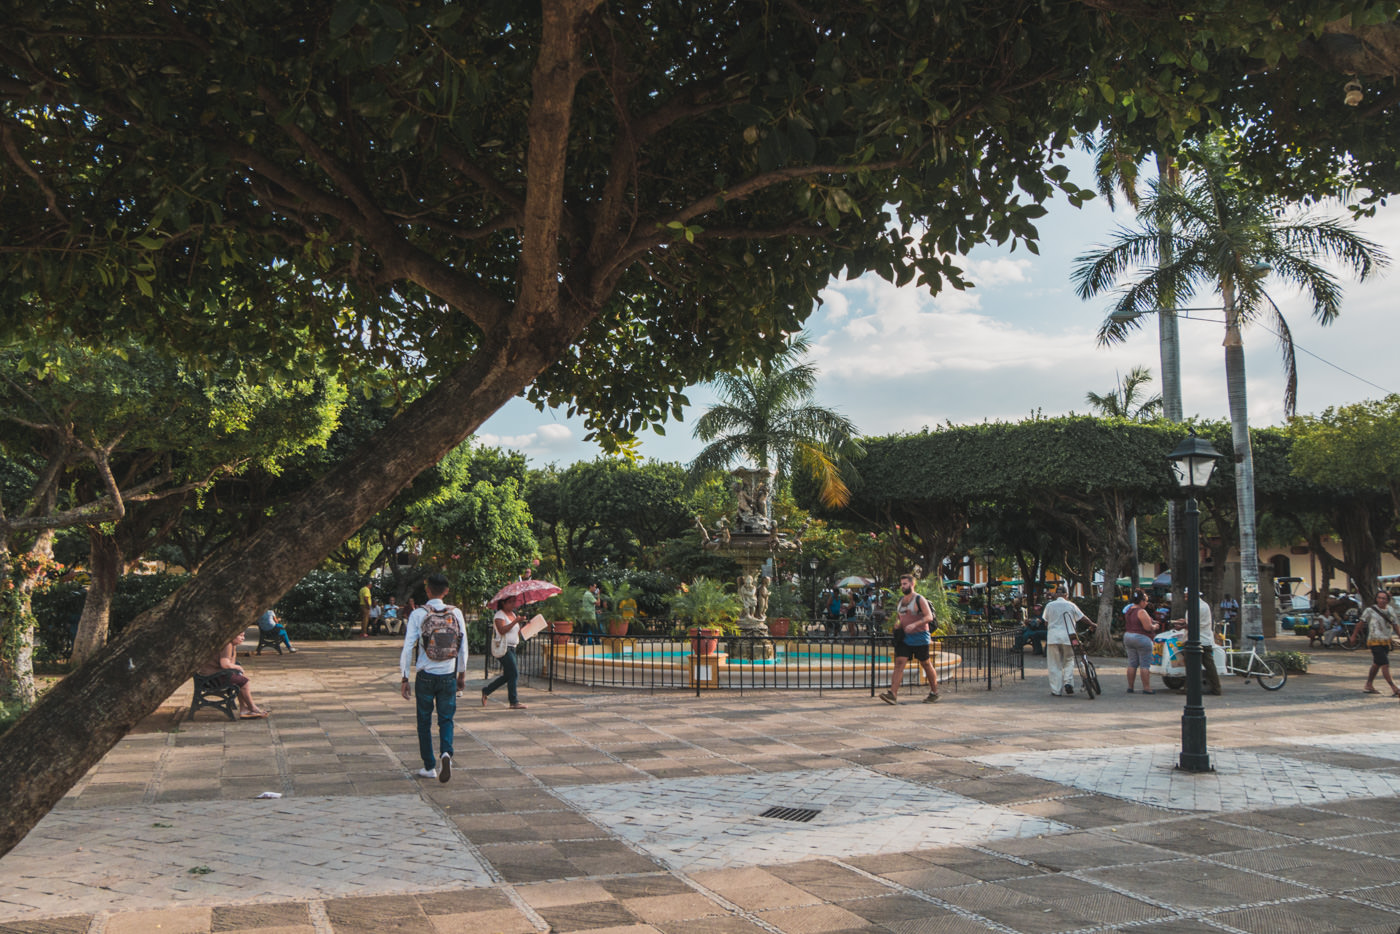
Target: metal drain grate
798,814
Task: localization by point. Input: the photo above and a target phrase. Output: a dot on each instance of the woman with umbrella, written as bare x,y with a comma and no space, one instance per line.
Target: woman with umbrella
506,632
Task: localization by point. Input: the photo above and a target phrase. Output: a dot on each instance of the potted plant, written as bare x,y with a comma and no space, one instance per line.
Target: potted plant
782,608
563,609
704,607
615,592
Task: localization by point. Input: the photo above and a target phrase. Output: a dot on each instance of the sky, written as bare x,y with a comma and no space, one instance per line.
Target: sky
898,360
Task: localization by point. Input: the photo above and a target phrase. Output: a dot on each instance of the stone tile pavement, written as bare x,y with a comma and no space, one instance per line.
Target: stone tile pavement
1008,810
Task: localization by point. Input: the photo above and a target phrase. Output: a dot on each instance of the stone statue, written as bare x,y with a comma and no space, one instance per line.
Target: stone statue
747,595
762,598
760,502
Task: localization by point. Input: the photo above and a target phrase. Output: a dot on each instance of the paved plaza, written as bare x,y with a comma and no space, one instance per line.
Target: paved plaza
1008,810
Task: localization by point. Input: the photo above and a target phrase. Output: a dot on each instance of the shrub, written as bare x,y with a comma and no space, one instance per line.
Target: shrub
1292,661
322,605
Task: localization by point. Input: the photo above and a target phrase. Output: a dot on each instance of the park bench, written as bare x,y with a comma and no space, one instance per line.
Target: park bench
268,640
215,691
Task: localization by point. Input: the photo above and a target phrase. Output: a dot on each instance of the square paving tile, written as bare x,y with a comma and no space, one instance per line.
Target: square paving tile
682,823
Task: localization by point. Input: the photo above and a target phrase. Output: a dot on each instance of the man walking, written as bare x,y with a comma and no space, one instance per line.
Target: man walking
1060,618
1379,623
912,639
437,633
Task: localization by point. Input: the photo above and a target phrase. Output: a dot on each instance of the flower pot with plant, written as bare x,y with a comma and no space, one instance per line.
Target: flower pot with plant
563,610
704,608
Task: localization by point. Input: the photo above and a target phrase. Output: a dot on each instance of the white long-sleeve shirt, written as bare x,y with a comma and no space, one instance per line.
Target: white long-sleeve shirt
414,631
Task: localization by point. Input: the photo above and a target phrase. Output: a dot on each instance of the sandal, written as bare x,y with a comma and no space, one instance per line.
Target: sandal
260,715
517,706
1369,691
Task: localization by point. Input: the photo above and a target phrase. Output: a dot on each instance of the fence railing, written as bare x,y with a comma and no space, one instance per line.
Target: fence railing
659,659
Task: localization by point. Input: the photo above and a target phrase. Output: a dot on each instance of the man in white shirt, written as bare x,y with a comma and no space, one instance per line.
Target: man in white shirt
437,634
1060,618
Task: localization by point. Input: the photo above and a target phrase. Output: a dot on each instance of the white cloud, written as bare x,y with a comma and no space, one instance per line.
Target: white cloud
547,441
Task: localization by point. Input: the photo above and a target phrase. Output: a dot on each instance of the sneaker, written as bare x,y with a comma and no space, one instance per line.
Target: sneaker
932,697
1069,689
888,698
426,773
292,650
444,770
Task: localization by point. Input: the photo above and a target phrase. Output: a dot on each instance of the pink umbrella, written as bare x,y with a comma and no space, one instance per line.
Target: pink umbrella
533,591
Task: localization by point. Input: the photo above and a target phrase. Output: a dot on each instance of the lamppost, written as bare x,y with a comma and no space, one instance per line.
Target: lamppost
813,565
1192,463
987,559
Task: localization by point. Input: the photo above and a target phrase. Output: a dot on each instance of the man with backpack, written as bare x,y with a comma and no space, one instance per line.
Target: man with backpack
437,633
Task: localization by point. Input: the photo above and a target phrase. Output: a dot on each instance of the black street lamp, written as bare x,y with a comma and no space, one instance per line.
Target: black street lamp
1192,463
813,565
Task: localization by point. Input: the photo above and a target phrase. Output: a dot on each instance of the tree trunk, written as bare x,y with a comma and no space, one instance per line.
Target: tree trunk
1169,345
90,710
19,576
104,568
1251,614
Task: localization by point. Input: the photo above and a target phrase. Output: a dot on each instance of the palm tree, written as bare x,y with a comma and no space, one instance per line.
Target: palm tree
1214,230
765,416
1122,401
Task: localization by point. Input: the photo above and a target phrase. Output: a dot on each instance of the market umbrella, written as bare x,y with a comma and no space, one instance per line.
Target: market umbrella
532,590
957,583
854,581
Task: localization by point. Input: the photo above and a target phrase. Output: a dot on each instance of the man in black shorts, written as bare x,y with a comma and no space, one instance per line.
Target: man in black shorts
912,640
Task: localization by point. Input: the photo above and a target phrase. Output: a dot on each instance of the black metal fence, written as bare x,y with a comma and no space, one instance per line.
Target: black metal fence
659,659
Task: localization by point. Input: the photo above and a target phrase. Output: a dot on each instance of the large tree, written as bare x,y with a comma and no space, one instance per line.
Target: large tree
601,203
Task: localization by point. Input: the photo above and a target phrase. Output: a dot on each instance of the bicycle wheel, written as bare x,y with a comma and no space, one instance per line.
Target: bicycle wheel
1081,664
1269,671
1091,677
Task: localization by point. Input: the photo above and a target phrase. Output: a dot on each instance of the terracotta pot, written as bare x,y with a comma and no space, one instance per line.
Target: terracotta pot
780,627
704,641
561,630
617,627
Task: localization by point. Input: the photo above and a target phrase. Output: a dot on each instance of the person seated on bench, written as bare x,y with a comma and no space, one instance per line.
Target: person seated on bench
226,660
1032,633
269,623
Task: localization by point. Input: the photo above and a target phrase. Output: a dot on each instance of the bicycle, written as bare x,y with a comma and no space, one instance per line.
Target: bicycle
1088,674
1268,671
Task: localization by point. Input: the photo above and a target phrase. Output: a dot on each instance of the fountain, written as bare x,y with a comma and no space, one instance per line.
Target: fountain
750,540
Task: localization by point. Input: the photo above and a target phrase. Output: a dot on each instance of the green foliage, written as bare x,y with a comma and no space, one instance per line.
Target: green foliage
1292,661
766,415
705,603
1355,446
321,605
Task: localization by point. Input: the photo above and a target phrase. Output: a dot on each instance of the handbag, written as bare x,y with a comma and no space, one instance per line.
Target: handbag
502,642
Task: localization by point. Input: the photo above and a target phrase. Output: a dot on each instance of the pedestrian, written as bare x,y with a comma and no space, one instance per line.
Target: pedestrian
1060,618
506,636
269,622
437,634
1138,629
1381,623
588,609
913,639
366,601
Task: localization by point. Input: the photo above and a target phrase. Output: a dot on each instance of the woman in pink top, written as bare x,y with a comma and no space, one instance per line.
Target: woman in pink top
1137,641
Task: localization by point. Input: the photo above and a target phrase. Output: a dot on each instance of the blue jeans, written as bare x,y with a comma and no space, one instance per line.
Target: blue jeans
440,690
281,632
507,677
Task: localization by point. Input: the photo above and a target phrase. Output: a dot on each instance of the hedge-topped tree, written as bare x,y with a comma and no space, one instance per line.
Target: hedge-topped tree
593,205
1353,453
1085,476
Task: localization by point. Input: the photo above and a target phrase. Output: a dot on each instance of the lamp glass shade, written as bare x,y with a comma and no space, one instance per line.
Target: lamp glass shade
1193,462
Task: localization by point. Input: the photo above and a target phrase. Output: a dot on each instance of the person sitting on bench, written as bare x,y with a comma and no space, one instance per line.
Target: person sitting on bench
269,622
226,660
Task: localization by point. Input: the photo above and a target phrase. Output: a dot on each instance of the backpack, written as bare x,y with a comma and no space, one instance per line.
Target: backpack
440,637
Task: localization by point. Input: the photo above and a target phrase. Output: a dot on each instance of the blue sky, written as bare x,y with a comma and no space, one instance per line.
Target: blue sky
897,359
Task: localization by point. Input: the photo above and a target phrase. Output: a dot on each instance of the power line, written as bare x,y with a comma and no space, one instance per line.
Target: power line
1296,346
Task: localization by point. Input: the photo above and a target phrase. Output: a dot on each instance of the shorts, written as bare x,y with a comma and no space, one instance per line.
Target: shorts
1139,649
1380,654
905,650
